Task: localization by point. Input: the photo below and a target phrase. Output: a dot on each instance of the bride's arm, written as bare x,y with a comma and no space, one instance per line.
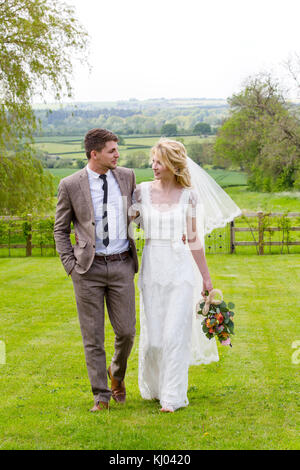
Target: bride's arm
197,251
133,211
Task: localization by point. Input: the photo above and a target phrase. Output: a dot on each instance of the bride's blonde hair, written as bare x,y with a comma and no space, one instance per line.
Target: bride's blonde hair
173,155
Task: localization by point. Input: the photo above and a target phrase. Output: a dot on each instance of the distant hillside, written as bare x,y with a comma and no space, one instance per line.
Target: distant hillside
132,116
138,104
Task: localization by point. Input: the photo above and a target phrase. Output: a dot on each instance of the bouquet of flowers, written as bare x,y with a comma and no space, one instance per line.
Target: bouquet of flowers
217,317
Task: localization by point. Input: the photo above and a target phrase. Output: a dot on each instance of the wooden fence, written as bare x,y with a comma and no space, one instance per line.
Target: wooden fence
262,228
27,229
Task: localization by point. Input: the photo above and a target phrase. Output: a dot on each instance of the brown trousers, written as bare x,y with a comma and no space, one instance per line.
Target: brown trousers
114,282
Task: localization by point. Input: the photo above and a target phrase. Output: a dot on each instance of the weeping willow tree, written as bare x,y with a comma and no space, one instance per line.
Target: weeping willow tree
38,42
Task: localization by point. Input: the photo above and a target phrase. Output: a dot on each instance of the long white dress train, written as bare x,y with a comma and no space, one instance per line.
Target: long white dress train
167,282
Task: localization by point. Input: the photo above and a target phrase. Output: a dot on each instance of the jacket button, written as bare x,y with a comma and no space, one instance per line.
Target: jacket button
94,246
93,223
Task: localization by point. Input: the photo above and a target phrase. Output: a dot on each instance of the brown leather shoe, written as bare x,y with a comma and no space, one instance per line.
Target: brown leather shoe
100,406
117,388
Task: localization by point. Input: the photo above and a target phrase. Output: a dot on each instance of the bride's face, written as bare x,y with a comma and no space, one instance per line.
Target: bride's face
160,170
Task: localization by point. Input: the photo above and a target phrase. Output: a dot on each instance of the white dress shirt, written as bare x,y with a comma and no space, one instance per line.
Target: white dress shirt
117,226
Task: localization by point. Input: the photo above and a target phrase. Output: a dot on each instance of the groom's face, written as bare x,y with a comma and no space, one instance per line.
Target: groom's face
107,158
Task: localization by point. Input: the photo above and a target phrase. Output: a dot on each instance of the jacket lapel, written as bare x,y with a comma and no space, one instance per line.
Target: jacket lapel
120,180
85,188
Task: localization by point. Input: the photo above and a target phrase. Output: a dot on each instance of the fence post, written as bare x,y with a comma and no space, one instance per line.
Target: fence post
232,237
29,236
260,233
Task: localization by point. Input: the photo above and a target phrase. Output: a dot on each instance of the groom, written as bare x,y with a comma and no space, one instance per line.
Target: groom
103,262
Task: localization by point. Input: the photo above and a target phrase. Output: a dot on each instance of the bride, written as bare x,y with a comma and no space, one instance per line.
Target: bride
175,210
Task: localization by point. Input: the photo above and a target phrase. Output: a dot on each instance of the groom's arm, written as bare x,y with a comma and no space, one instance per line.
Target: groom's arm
62,228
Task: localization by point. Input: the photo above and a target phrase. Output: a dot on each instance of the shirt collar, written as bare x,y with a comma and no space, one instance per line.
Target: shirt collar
95,175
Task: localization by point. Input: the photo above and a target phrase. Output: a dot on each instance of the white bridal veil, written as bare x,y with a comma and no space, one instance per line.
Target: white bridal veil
214,209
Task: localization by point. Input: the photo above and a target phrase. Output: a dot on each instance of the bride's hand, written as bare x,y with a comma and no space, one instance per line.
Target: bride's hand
207,285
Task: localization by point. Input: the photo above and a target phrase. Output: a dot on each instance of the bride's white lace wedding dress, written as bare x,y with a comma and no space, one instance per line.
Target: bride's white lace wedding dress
167,301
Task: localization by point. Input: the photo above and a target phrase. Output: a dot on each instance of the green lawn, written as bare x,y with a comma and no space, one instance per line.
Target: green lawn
274,202
249,400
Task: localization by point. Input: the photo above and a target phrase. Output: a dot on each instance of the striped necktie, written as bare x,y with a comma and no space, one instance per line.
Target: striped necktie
104,218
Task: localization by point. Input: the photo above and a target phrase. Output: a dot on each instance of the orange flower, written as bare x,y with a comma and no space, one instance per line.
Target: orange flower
220,318
224,334
211,330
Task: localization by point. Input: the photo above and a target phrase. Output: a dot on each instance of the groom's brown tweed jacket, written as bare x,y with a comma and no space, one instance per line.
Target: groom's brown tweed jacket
75,205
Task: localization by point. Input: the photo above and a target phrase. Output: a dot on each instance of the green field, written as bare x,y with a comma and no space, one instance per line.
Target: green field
72,146
224,178
61,145
248,400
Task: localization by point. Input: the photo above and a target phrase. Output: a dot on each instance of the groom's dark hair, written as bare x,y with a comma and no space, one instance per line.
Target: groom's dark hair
95,139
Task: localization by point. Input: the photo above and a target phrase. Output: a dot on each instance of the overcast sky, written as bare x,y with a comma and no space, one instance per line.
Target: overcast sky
181,48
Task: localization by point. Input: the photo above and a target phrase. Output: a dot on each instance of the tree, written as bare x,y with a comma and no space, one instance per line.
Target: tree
202,128
169,130
292,64
201,153
262,135
137,160
80,163
38,39
121,140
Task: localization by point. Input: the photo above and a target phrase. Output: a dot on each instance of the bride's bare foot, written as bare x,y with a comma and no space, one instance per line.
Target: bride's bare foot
166,410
